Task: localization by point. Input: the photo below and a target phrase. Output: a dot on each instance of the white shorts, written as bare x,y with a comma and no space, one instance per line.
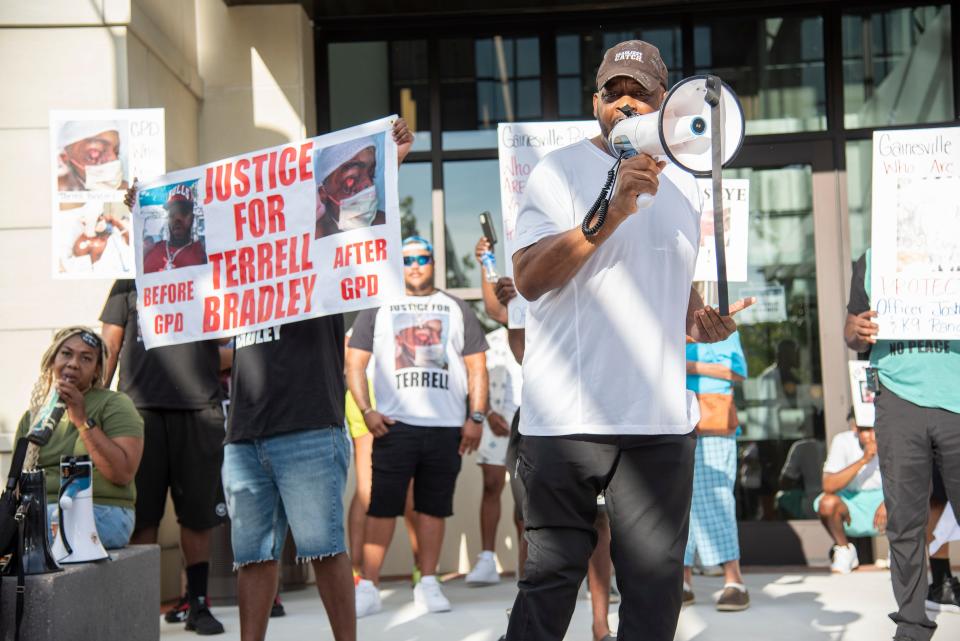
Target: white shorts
493,449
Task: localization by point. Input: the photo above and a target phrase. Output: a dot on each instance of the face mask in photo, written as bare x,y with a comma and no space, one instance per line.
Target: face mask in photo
105,177
429,356
358,210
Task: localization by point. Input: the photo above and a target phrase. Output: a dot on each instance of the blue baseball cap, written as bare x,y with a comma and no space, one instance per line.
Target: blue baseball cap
418,240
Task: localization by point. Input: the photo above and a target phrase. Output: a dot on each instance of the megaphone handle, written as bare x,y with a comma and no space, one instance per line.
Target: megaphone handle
716,144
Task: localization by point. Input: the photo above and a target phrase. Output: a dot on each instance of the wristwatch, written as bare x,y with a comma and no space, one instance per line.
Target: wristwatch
89,424
477,417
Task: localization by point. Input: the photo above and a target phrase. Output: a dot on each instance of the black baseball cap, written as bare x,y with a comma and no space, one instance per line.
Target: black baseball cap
634,59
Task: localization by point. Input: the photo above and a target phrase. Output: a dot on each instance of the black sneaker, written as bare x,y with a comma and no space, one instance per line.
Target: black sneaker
178,614
944,597
277,609
200,620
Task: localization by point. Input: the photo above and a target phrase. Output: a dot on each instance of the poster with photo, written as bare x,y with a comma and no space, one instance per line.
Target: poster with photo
296,231
915,257
95,155
863,397
521,145
736,214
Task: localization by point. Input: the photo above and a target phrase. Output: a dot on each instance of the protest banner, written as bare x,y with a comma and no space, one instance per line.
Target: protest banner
521,146
296,231
863,397
95,155
915,257
736,213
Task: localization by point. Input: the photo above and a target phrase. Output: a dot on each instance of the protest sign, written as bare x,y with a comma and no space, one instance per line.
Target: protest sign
736,212
863,397
521,146
915,257
296,231
95,155
770,305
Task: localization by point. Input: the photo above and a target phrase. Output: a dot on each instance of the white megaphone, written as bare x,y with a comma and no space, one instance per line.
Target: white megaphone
682,130
77,539
699,128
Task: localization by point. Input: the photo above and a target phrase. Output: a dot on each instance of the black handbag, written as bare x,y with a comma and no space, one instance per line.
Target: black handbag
12,518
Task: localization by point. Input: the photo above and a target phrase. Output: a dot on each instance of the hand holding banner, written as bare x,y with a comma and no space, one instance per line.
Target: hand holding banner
293,232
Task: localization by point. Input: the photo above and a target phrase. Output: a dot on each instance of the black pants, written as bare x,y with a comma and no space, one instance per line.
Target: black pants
909,438
648,482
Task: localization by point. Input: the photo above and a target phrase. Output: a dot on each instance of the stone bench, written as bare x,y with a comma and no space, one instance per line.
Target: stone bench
118,599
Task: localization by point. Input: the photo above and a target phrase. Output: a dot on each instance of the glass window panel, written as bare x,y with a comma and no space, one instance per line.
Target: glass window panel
775,65
486,81
897,67
859,155
416,202
358,69
410,87
528,99
569,97
469,188
568,55
579,56
528,57
781,401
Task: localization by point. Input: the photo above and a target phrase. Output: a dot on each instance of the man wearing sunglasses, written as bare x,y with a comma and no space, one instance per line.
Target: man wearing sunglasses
430,360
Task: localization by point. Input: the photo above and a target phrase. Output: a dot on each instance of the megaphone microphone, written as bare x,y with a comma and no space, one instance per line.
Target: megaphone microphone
699,128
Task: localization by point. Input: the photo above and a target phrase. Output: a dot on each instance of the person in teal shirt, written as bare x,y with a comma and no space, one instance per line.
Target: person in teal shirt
712,368
917,430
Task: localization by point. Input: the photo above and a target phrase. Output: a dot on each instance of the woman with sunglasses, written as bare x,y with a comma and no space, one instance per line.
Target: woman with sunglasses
98,422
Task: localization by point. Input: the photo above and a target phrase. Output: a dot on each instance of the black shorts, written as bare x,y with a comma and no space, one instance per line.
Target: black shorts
428,455
182,452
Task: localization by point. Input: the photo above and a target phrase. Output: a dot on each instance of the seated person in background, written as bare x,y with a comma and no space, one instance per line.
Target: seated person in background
98,422
801,479
852,499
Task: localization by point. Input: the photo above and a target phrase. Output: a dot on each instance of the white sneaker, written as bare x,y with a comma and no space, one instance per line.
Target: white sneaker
844,559
428,595
367,598
484,572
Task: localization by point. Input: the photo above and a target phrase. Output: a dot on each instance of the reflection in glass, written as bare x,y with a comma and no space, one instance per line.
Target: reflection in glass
410,88
775,65
469,187
416,204
781,401
859,154
357,69
897,67
579,55
485,81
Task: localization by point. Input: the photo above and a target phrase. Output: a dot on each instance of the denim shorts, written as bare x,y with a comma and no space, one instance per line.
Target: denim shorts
296,479
114,524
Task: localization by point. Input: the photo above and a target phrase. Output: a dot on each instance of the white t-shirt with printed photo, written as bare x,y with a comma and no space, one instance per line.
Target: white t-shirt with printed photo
418,344
605,353
845,450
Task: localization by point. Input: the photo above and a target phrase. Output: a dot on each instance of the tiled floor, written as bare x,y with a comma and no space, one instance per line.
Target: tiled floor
785,607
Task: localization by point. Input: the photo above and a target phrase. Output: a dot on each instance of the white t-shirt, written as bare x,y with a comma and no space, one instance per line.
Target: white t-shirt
605,353
418,345
505,374
844,451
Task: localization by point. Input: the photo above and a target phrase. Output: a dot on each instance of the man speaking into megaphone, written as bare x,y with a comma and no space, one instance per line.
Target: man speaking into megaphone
604,403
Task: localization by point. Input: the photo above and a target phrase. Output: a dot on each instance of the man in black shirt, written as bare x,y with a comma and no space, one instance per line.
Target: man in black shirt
177,391
285,463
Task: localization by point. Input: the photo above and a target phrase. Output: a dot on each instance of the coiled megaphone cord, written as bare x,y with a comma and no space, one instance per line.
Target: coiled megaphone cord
602,203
